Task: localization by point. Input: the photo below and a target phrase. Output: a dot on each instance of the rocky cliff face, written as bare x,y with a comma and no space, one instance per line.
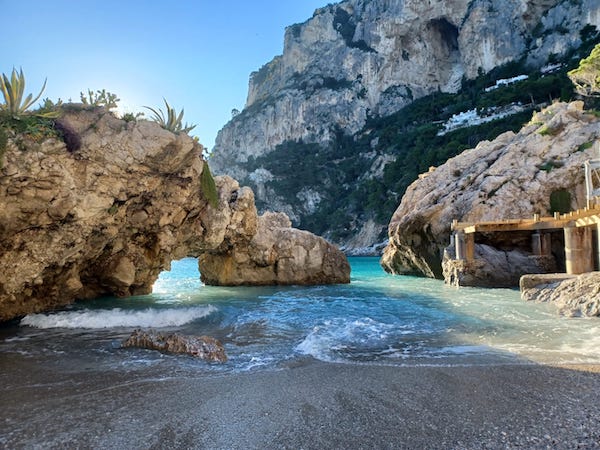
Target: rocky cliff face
514,176
107,218
369,58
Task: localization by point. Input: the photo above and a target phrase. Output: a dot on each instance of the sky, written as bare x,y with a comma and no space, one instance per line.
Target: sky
197,54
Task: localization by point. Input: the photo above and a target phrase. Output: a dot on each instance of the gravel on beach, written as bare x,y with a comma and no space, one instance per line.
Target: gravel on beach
310,405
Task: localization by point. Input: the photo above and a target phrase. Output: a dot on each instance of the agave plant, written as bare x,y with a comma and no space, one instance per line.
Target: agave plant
172,121
12,90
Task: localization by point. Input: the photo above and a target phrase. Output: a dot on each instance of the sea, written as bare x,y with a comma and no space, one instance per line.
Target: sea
377,319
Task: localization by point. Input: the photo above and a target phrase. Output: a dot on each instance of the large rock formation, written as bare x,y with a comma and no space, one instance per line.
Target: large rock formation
514,176
276,254
574,296
107,218
362,59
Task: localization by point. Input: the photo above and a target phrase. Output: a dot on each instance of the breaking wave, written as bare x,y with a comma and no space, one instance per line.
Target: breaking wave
117,317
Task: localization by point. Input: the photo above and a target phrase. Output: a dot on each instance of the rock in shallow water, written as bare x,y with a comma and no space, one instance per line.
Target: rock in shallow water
203,347
574,295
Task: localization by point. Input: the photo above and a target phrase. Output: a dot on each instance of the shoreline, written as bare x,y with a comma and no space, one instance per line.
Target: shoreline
308,405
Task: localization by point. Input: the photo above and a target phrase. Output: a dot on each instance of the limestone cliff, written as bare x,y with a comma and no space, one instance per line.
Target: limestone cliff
106,218
514,176
362,59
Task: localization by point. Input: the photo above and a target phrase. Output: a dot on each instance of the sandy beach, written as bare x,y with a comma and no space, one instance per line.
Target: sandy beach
312,405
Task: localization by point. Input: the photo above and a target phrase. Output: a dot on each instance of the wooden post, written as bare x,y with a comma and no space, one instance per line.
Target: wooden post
470,246
541,244
579,256
546,244
459,242
536,244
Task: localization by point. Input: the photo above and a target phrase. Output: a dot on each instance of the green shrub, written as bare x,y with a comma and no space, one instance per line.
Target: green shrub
560,201
585,146
131,117
208,186
548,165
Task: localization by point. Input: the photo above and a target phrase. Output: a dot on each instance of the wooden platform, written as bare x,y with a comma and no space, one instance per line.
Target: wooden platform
578,228
580,218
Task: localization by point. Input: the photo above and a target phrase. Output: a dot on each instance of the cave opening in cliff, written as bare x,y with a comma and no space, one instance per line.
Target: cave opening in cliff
446,32
183,276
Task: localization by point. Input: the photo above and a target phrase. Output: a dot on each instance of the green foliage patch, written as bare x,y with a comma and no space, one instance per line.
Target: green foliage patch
586,145
586,77
208,186
560,201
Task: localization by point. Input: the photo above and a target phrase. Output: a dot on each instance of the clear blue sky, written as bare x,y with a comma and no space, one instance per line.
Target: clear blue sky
198,54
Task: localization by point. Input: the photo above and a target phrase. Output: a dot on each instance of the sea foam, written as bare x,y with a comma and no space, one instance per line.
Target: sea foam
117,317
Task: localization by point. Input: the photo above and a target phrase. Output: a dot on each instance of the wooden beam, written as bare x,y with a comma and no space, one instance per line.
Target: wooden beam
580,218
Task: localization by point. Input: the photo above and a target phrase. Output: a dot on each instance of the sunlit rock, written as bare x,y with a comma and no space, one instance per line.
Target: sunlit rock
512,177
203,347
107,218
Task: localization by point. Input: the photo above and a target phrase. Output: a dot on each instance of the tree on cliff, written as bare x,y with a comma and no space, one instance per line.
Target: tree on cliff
586,77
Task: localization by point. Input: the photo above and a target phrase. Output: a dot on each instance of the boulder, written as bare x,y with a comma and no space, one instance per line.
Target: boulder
493,267
276,254
574,295
203,347
514,176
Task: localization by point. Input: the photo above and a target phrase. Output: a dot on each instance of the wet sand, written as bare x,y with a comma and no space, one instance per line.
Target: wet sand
312,405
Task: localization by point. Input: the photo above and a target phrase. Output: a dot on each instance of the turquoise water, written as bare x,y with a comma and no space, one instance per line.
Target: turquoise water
377,319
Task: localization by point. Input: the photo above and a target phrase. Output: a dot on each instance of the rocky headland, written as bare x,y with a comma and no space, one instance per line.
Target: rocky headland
104,209
535,171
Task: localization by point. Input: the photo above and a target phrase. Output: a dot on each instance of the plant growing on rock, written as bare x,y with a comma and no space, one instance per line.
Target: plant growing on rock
586,77
131,117
171,121
100,98
12,91
208,186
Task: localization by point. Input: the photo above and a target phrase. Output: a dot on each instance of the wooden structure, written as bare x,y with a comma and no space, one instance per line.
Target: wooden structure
578,227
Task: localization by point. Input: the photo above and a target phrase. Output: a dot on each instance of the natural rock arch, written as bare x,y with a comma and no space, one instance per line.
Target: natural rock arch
108,218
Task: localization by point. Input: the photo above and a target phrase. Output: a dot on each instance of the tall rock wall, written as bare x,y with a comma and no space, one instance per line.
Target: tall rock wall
106,218
362,58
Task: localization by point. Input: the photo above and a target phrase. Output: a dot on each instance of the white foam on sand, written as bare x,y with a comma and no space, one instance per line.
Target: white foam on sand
117,317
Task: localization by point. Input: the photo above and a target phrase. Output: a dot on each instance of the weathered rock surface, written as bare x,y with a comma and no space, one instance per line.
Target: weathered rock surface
108,218
574,296
493,267
513,176
203,347
363,58
277,254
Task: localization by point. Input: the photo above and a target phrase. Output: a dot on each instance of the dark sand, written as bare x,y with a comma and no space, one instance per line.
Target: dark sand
313,405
